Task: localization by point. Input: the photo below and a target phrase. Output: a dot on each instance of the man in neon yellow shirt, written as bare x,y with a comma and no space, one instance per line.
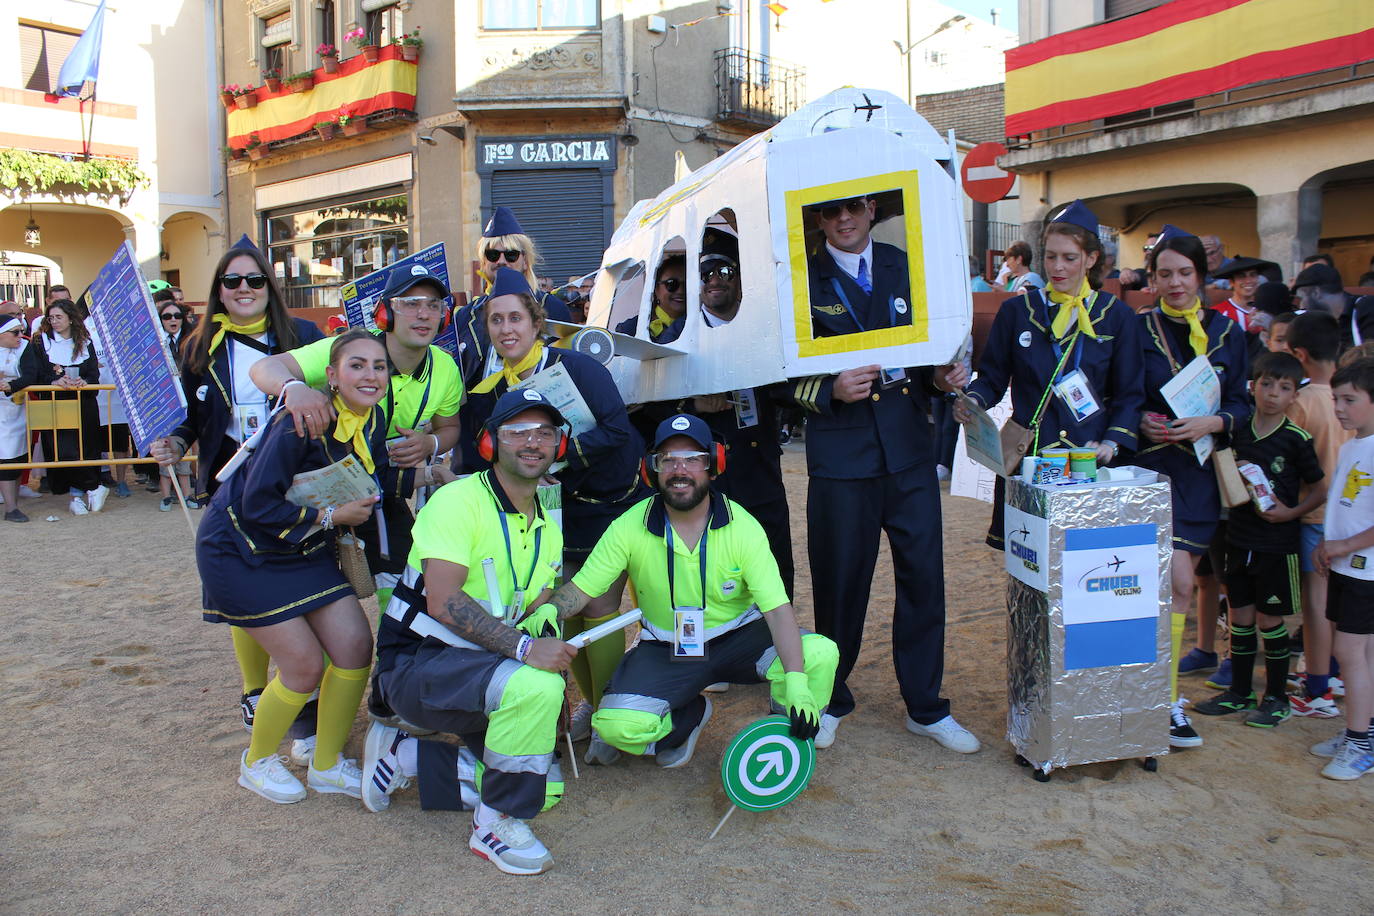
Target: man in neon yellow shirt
714,609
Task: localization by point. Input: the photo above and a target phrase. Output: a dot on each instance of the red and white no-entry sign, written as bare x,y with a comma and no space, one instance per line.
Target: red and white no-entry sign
983,179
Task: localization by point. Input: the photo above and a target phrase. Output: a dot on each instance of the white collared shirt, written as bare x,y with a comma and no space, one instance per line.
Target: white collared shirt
849,261
712,320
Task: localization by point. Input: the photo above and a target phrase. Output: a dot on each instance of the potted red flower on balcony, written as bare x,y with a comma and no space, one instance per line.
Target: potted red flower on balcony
246,97
228,93
325,129
363,42
351,125
301,82
410,45
271,78
329,57
255,147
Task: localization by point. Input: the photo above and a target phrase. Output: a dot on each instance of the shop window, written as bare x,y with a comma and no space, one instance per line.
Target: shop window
719,269
42,51
316,251
541,14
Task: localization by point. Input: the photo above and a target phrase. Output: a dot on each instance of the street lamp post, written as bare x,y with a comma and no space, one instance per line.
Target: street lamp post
905,51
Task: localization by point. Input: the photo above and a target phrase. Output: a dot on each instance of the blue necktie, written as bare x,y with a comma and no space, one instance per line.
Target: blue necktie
864,282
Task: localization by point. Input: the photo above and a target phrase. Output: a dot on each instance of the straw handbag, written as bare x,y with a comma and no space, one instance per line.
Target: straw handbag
353,564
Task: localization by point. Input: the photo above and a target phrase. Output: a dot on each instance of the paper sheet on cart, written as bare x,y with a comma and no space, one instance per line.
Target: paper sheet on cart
982,438
341,482
556,385
1195,392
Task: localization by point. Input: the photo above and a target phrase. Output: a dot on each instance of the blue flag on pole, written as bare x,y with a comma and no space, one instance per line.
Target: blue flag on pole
83,63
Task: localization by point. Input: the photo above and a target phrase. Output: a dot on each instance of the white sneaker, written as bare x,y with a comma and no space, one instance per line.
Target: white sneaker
1330,746
948,733
381,766
580,724
717,687
303,751
77,506
1337,687
1350,762
941,472
270,778
826,736
682,754
510,845
96,498
343,778
25,492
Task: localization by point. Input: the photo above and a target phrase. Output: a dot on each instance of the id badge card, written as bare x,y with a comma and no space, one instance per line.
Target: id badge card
689,633
249,418
890,377
746,408
1076,392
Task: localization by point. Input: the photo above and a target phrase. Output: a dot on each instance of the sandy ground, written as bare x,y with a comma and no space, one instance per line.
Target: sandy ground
124,740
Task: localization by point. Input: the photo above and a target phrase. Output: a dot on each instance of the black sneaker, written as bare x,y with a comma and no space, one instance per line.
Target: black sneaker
1226,702
1181,731
1272,710
248,706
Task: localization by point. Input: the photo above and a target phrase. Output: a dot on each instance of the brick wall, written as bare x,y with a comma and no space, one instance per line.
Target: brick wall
976,114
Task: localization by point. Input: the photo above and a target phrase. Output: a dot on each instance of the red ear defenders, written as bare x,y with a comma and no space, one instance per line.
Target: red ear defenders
381,315
717,465
486,445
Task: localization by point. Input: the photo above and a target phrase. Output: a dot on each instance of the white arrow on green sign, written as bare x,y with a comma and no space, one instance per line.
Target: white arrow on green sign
765,767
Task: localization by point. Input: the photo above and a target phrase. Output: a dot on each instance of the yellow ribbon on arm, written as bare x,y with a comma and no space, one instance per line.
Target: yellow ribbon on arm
659,320
225,325
352,427
1071,307
509,372
1197,336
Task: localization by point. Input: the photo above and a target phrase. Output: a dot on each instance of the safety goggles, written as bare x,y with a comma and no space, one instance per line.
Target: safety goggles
672,284
672,461
723,271
171,316
233,281
414,305
511,256
854,206
520,433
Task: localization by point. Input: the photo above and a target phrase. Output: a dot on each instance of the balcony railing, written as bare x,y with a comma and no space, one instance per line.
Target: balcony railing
754,90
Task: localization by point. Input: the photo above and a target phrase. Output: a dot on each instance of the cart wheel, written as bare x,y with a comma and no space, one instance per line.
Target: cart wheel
1022,761
1150,764
1040,775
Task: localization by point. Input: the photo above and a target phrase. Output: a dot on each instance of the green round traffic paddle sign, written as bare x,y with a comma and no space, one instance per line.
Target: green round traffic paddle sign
765,767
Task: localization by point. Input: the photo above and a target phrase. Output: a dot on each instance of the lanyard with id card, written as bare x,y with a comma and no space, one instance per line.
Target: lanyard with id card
689,623
517,600
1073,387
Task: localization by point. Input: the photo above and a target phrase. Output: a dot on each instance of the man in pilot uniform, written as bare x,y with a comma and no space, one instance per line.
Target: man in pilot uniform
869,457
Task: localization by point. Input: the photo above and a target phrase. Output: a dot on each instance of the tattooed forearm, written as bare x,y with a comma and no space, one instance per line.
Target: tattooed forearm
470,620
569,599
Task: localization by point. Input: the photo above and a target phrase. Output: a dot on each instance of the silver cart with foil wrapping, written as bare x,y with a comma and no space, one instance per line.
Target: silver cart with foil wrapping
1088,638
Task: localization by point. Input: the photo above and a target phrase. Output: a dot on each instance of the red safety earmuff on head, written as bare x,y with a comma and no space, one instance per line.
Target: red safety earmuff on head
381,315
486,445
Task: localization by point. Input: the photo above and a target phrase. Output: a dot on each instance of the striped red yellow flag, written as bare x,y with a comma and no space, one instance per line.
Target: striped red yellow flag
1181,50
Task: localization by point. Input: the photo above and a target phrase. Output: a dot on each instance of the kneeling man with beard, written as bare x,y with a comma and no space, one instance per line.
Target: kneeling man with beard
714,609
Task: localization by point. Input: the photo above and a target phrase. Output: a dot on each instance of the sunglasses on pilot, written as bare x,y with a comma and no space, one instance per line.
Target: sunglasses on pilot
511,256
853,207
672,284
724,271
233,281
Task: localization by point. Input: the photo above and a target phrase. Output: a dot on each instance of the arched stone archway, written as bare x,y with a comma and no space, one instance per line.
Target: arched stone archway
192,242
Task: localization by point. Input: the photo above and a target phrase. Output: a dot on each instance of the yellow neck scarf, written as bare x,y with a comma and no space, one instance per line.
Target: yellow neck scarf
1197,336
509,372
225,325
352,427
659,320
1071,307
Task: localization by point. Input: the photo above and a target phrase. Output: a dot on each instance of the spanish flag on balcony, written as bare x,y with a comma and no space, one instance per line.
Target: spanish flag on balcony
360,88
1179,51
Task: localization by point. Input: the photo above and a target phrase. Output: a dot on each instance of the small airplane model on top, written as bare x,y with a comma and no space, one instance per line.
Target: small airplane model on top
850,149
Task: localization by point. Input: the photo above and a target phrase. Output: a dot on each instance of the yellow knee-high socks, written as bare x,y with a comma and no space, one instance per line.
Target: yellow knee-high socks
252,659
593,666
277,709
1177,624
341,690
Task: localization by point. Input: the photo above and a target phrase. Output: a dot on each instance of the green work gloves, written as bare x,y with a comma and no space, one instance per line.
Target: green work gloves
801,705
541,622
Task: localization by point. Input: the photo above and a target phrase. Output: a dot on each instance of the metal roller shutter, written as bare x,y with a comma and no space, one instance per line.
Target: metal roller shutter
1115,9
563,210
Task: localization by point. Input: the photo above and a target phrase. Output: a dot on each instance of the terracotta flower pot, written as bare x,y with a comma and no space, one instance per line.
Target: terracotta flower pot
305,84
326,131
331,63
227,99
236,154
354,127
371,53
257,152
273,84
410,53
247,100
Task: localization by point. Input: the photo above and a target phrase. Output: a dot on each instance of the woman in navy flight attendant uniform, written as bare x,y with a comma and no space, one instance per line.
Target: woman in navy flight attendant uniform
1174,333
601,479
245,320
1070,353
267,565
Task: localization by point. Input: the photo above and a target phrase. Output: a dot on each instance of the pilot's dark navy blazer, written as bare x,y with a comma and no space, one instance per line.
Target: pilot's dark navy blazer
888,306
209,412
470,324
1021,354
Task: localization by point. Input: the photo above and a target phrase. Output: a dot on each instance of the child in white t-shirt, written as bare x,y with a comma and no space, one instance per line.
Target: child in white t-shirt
1347,557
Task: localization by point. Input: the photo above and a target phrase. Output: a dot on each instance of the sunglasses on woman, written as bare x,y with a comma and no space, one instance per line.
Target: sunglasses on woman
672,284
233,281
171,316
511,256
